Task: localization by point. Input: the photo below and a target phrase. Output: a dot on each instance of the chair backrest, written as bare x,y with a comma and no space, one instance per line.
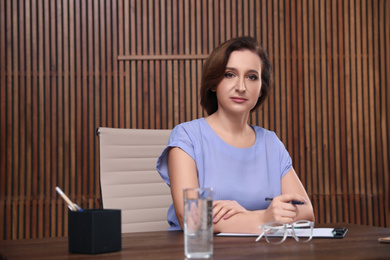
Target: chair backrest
129,179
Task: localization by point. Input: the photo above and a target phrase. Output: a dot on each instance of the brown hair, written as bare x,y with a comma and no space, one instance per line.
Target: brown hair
215,66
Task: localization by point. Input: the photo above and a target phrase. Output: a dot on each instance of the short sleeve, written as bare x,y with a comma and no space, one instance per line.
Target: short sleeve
285,158
179,138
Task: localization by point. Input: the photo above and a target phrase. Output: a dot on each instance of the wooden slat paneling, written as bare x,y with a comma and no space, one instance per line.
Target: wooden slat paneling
68,67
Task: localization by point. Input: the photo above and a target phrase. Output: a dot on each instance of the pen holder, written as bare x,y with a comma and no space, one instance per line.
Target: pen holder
95,231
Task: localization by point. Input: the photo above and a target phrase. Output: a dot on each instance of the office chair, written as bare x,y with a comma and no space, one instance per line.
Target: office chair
129,180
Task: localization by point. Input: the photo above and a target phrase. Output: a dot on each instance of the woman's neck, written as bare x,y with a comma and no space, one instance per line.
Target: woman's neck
231,123
233,130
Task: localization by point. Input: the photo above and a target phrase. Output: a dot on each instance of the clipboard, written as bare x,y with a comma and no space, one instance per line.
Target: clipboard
317,233
339,232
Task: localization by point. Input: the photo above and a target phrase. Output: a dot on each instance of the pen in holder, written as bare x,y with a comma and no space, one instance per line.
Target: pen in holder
72,206
94,231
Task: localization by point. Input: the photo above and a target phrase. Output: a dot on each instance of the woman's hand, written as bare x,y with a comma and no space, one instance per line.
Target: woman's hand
281,210
224,209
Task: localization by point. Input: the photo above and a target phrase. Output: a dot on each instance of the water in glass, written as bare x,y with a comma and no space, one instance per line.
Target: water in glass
198,228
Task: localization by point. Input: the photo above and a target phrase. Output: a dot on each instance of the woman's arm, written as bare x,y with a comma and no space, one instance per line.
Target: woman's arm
292,185
279,210
182,174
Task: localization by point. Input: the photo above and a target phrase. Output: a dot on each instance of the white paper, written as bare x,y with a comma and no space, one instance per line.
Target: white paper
317,232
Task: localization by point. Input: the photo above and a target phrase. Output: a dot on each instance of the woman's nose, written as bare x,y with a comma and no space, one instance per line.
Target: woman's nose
240,86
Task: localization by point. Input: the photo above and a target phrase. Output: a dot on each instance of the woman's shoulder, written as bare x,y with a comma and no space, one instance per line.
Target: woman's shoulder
266,136
263,132
190,125
191,129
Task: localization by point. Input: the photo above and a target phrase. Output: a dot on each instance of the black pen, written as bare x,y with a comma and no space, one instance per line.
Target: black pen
295,202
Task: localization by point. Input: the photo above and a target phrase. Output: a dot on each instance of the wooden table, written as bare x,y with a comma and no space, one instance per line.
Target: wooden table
361,242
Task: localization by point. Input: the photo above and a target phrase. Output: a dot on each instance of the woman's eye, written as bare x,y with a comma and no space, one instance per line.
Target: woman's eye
253,77
229,75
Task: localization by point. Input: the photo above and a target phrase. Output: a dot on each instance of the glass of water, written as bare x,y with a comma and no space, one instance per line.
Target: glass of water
198,222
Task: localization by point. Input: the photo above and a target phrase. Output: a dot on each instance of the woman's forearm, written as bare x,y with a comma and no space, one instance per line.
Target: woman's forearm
247,222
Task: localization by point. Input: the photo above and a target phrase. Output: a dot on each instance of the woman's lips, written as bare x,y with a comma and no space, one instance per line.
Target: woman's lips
238,99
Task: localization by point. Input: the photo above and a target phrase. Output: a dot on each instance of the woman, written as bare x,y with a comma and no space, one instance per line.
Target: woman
244,164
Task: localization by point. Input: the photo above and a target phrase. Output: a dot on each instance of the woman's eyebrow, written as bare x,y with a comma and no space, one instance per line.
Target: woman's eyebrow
254,71
231,68
251,70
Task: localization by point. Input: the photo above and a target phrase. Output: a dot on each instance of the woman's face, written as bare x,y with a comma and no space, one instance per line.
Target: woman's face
240,88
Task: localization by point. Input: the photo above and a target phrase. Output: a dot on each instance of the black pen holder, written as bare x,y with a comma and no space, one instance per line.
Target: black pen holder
95,231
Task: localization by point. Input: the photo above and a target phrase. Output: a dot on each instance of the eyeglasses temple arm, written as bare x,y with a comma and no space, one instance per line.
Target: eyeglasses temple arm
259,237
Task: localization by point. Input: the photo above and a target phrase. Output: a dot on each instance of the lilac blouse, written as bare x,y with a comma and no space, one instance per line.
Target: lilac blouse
246,175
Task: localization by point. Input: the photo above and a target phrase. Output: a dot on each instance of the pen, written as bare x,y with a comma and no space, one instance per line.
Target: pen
295,202
72,206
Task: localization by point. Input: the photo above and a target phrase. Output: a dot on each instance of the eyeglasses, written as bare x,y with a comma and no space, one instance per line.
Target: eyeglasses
276,233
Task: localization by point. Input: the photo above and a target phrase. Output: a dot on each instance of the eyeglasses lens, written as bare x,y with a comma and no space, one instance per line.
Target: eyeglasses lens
303,231
275,233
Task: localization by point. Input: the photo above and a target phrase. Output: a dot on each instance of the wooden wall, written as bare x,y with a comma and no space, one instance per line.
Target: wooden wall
70,66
